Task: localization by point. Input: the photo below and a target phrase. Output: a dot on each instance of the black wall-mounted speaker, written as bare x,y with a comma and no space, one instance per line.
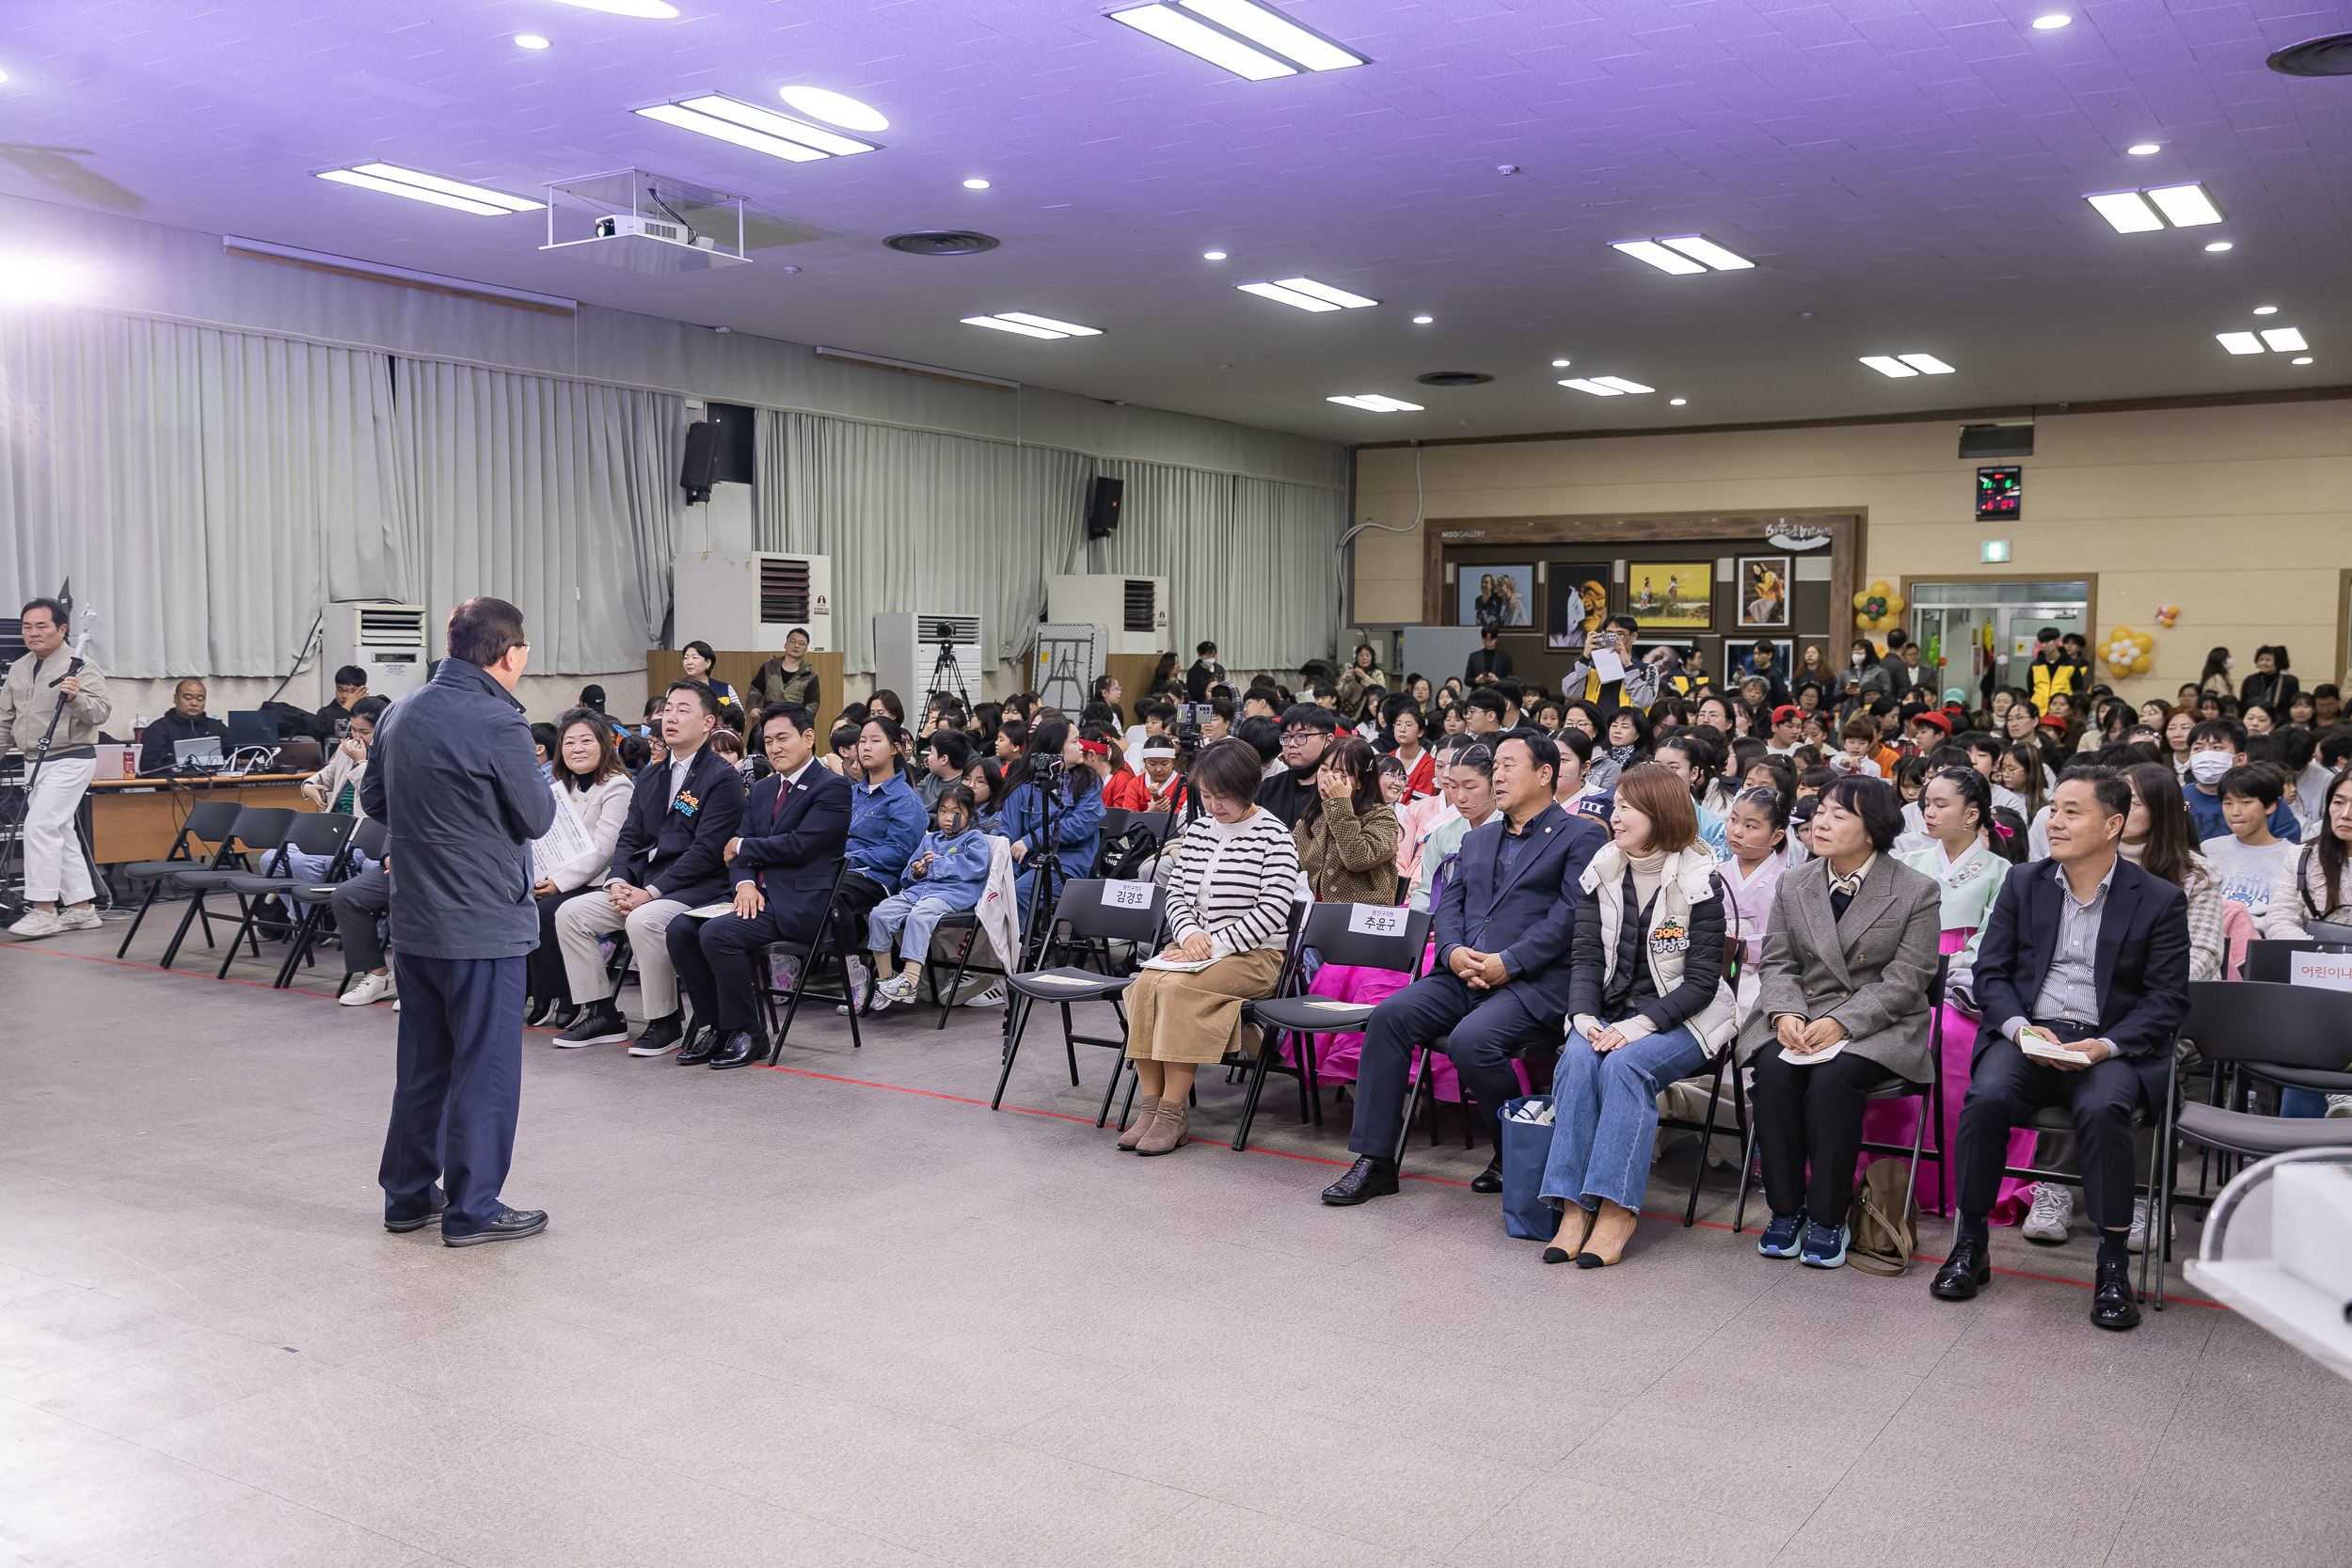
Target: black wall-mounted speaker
1103,507
702,455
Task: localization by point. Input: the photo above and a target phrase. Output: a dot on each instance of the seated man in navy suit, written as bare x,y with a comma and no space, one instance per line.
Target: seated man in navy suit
1501,984
2084,951
681,813
795,834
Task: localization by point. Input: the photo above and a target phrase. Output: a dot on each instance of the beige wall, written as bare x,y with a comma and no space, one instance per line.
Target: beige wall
2240,515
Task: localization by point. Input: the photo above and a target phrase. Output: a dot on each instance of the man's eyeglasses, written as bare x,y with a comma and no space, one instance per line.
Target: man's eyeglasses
1299,738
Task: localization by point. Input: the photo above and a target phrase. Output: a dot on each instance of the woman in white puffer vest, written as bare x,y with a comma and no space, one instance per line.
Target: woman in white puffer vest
1648,1004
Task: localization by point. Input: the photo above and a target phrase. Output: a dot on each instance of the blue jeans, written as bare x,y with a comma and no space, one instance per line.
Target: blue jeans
912,916
1605,1115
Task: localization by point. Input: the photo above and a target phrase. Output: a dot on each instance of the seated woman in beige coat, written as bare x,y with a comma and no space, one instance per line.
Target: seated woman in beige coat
1848,960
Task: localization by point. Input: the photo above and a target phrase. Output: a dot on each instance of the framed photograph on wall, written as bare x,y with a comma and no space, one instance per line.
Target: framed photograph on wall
1577,603
1671,595
1504,596
1764,592
1739,651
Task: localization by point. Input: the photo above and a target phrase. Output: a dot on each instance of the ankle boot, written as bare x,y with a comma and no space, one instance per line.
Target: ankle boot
1170,1125
1145,1109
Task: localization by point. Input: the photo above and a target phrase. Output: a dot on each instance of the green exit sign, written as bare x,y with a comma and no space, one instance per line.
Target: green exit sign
1993,552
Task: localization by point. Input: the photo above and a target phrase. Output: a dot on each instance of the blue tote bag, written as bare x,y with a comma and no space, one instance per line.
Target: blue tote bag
1526,1147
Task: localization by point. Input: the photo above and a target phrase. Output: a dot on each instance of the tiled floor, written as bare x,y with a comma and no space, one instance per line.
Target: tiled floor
808,1317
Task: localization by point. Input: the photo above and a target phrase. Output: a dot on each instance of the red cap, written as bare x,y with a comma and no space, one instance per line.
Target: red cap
2053,722
1937,719
1786,711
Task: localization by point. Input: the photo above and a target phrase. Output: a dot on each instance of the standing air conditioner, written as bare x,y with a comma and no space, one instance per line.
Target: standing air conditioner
1135,609
747,603
915,655
388,641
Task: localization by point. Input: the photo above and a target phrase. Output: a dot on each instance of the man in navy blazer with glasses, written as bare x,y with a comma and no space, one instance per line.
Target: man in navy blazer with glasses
1500,984
2086,952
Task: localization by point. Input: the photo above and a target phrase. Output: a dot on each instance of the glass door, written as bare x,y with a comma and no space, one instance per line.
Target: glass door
1971,628
2025,622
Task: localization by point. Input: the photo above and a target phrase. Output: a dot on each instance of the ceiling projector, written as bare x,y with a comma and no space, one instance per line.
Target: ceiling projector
653,228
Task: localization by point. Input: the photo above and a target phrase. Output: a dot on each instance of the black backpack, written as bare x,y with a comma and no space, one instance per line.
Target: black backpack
1123,856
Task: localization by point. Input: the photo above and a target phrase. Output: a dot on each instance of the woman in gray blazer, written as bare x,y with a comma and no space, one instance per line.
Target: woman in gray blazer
1848,960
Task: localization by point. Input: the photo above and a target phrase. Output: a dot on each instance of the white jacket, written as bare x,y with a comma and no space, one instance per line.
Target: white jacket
1687,878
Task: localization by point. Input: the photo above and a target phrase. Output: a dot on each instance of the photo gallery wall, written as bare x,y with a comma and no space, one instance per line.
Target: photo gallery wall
1673,600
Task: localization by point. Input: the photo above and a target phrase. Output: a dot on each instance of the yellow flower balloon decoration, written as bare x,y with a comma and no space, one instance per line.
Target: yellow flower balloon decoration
2167,614
1878,608
2128,652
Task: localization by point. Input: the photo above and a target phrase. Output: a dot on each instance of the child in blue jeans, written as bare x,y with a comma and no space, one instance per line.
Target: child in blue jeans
946,876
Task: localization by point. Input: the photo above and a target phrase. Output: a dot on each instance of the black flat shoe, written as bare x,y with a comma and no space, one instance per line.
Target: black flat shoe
1489,1180
512,1224
1367,1178
742,1048
1967,1271
699,1050
418,1222
2113,1302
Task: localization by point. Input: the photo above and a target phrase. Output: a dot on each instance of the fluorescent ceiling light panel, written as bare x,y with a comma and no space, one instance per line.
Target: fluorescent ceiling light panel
1700,248
2239,342
1280,294
1598,389
2126,211
1002,326
834,108
1195,37
1927,364
449,188
748,125
1068,329
1886,364
652,10
2284,339
1622,385
1276,31
1374,402
414,193
1658,256
1313,290
2186,206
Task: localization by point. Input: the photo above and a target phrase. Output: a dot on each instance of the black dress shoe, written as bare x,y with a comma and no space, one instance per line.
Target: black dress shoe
704,1046
2113,1302
661,1037
562,1015
511,1224
1489,1180
418,1222
742,1048
1968,1269
1368,1178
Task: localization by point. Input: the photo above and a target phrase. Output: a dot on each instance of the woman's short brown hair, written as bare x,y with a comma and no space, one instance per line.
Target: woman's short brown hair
1657,794
1228,768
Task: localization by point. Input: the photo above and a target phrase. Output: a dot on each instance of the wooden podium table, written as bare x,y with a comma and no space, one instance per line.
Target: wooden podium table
136,820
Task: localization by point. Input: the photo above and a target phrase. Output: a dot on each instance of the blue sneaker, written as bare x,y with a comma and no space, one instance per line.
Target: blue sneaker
1824,1248
1780,1236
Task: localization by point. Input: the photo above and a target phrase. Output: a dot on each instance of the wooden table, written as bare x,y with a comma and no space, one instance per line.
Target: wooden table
136,820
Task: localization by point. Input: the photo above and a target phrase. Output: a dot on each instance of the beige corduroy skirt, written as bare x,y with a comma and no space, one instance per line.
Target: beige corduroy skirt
1173,1017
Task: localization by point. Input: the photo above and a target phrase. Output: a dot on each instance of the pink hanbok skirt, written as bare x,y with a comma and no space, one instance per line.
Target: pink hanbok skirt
1336,1055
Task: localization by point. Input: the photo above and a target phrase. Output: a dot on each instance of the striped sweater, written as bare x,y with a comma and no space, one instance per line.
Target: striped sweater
1247,905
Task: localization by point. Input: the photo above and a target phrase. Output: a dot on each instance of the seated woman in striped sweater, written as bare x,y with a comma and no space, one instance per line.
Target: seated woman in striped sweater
1228,905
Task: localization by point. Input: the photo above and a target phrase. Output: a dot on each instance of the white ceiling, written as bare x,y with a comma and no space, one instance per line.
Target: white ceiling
1908,177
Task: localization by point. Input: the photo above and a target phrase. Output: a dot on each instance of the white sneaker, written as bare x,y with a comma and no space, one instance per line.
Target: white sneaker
899,988
2138,1240
784,971
2340,1104
370,987
993,997
81,918
2053,1212
38,923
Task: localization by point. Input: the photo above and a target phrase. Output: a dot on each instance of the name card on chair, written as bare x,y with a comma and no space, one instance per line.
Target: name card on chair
1127,896
1377,920
2331,969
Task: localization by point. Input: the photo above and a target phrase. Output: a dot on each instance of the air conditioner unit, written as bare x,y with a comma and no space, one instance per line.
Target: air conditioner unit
750,603
1134,608
388,641
915,655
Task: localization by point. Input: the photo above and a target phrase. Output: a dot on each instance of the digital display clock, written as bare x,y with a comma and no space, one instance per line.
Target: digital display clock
2000,494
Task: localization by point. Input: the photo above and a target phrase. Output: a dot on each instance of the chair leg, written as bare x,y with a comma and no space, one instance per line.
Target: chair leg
1412,1097
1747,1163
1016,1021
1911,1181
1706,1140
1070,1043
145,904
857,1041
1110,1089
1127,1106
954,987
247,909
298,947
1257,1087
171,950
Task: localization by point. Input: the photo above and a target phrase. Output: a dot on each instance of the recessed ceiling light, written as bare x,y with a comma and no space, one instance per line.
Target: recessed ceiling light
2305,360
834,108
2284,339
2051,23
1195,37
1424,321
1373,403
1927,364
1886,364
2219,246
1212,256
2186,206
1676,403
2141,149
975,185
1250,41
2239,342
1305,294
1560,364
2265,309
1598,389
1027,325
748,125
653,10
394,180
1270,29
1656,256
1622,385
529,40
2126,211
1700,248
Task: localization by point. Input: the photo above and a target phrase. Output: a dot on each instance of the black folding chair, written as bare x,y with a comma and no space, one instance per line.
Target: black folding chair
2274,961
1725,1067
209,822
322,832
833,924
1362,936
367,844
258,831
1090,914
967,924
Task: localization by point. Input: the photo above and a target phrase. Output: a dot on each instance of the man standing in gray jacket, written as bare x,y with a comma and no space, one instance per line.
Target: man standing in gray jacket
454,776
49,685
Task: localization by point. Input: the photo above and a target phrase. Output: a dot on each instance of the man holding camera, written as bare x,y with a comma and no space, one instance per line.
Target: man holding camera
50,684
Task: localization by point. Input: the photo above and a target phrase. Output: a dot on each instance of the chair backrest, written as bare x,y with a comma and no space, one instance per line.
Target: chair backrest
209,822
369,837
2324,931
264,827
2255,1021
322,832
1115,820
1369,936
1098,910
2274,961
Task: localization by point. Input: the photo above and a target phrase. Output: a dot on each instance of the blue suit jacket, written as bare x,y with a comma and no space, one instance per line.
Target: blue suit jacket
1529,917
677,846
2142,966
795,853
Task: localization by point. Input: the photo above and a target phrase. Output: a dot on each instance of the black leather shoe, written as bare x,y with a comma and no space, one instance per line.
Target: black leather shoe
1367,1178
1489,1180
1968,1269
2113,1302
699,1050
512,1224
563,1015
418,1222
742,1048
661,1037
601,1024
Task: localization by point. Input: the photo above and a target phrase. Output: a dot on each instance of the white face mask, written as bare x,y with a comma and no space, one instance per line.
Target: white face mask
2208,766
1857,659
2229,664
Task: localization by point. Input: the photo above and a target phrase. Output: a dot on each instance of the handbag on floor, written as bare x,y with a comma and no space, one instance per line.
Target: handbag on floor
1885,1227
1526,1149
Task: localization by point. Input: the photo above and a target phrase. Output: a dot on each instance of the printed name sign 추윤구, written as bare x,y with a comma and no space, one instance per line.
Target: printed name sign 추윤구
1377,920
